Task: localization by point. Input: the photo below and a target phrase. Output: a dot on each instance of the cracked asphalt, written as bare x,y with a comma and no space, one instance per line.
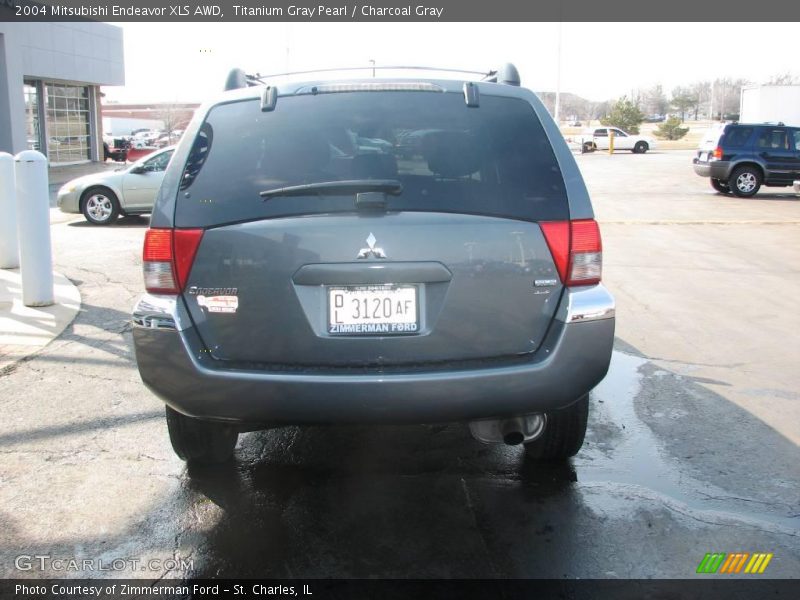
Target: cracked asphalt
693,442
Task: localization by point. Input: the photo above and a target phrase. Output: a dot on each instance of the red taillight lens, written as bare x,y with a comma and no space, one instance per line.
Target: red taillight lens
167,258
185,243
556,234
717,153
577,250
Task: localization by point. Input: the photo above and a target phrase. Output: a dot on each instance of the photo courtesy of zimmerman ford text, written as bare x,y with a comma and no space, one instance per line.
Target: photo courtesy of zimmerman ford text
441,299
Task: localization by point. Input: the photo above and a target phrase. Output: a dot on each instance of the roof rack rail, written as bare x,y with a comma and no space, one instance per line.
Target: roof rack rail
507,74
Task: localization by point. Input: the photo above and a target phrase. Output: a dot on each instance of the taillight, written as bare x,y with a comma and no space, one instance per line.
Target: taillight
556,234
585,253
167,258
577,250
717,153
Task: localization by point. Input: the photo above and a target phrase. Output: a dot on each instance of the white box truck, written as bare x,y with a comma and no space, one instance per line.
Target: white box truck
770,103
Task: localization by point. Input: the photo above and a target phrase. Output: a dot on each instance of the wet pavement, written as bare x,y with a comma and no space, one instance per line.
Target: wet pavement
671,469
431,502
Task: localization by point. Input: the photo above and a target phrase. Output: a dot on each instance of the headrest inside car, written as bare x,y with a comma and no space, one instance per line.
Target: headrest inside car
295,153
452,153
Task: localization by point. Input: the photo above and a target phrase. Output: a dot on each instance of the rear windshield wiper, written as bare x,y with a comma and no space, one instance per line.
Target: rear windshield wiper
352,186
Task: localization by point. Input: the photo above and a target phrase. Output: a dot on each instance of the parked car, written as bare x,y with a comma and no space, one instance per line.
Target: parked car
598,139
296,274
102,197
116,149
168,139
738,158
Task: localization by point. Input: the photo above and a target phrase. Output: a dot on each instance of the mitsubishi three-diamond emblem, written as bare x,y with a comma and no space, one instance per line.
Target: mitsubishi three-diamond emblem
371,249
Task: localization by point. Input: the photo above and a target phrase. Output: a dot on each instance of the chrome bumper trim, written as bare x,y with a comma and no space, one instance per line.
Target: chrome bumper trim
153,311
586,304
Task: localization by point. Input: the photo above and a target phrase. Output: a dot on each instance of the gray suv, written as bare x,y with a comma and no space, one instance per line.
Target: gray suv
374,251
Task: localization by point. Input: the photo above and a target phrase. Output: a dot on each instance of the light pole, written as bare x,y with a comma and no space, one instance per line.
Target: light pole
557,108
711,103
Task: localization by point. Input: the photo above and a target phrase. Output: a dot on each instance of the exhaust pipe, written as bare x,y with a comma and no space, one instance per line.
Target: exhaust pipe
511,431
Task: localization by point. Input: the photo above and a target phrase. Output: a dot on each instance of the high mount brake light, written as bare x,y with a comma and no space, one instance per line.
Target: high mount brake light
167,258
577,250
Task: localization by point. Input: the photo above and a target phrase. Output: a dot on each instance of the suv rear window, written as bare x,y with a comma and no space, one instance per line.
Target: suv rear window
492,160
736,137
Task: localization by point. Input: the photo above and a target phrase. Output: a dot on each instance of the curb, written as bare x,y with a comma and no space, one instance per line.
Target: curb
25,330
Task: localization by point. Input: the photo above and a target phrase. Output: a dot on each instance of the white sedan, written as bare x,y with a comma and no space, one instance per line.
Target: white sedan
102,197
598,139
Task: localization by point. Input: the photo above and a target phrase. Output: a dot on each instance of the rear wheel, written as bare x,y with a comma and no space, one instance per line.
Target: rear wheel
588,147
640,148
563,435
721,187
745,181
200,442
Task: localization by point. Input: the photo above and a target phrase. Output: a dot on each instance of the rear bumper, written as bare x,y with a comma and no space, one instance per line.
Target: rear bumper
572,360
716,169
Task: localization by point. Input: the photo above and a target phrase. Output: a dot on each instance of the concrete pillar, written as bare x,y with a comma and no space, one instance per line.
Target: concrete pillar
33,216
9,251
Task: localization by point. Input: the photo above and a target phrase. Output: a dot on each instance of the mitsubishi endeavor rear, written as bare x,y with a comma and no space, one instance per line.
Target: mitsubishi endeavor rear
374,251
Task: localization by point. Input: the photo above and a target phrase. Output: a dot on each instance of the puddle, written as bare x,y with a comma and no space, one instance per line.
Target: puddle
637,462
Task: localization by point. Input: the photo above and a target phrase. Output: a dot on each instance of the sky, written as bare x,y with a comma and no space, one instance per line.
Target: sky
598,60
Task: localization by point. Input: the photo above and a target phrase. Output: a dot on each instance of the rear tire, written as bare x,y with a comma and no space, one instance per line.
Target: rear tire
721,187
563,435
588,147
641,148
745,181
200,442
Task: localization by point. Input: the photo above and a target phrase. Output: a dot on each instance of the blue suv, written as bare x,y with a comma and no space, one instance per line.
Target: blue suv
747,156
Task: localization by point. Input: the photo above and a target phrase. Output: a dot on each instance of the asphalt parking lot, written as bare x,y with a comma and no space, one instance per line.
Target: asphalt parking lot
693,442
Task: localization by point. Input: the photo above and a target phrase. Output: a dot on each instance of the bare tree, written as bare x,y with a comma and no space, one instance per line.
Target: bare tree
701,93
727,96
654,101
683,100
783,79
171,115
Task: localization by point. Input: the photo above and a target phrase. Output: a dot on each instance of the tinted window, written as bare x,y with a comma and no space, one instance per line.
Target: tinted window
493,160
618,133
773,139
736,137
601,133
796,133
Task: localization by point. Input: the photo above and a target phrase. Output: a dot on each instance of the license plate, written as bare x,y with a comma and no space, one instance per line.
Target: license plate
373,310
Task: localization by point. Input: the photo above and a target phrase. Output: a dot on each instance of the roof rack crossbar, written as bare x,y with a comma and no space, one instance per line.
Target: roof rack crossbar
260,77
507,74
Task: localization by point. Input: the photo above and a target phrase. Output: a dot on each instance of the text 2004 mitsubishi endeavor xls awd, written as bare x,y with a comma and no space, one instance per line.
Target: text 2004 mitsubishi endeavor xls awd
374,251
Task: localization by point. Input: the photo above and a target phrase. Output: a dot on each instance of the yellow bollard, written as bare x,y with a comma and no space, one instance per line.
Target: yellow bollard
611,141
